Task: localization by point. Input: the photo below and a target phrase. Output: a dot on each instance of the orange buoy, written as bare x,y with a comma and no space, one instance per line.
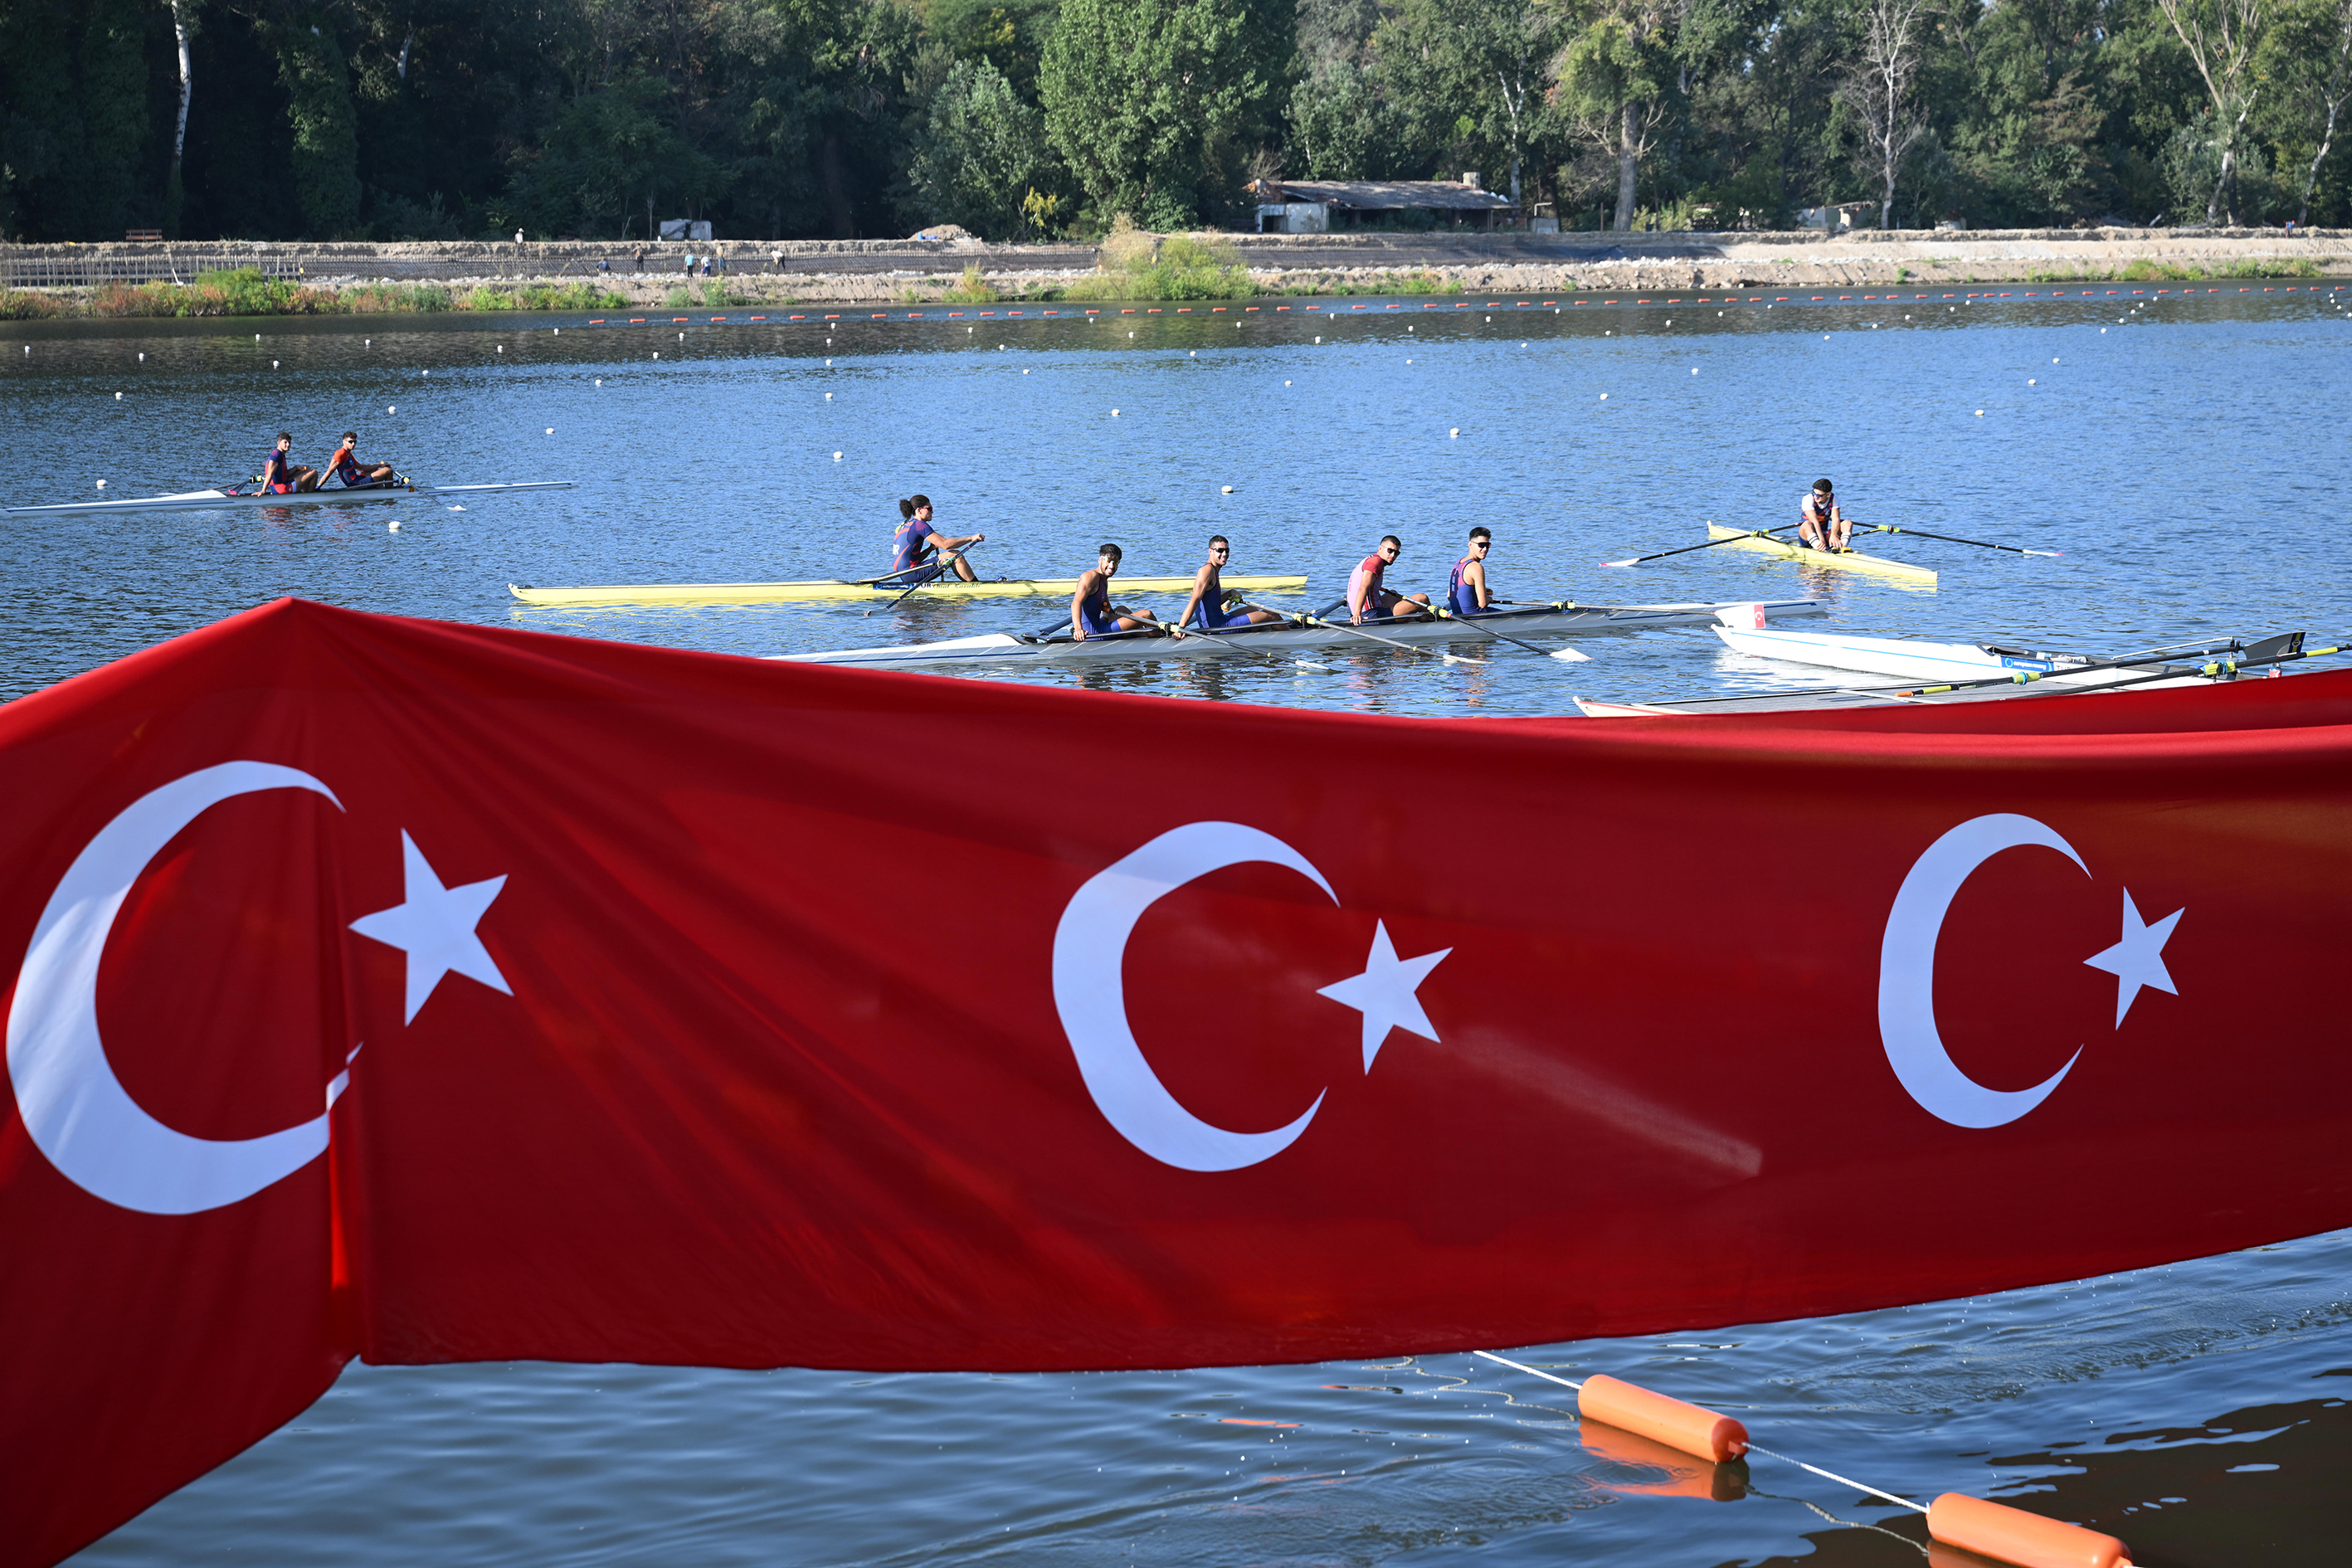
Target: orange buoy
2028,1540
1701,1433
1685,1477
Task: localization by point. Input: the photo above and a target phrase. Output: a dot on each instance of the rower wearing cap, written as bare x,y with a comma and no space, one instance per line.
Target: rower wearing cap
1467,592
1370,598
1092,615
345,465
1206,610
1820,521
916,547
281,475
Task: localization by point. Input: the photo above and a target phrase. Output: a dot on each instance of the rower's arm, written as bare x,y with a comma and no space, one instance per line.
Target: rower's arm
1359,591
1200,589
1477,577
1078,621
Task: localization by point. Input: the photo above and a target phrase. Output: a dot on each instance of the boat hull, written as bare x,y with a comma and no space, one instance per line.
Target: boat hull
824,591
220,500
1899,572
1549,621
1897,656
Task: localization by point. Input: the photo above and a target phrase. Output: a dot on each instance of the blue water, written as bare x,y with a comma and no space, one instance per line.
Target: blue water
2185,452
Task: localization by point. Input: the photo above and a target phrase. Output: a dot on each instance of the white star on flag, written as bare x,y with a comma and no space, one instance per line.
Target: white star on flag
2138,959
434,927
1383,993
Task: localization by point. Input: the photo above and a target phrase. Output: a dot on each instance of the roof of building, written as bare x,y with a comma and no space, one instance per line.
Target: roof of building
1373,195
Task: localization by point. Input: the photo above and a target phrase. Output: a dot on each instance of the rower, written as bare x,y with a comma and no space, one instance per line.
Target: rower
1468,593
915,545
1091,612
1207,609
281,475
345,465
1820,522
1371,598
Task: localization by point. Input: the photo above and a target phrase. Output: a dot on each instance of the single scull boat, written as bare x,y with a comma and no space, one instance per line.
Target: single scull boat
838,590
1567,619
1903,656
1901,574
223,499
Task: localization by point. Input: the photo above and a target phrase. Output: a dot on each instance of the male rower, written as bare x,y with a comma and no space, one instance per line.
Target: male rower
345,465
917,545
1206,610
281,475
1092,614
1467,592
1369,597
1820,522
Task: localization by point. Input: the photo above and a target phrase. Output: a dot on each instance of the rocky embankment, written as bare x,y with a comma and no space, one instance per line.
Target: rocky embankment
911,271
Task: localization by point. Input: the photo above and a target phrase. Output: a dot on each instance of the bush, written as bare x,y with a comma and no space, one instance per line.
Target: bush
28,305
1137,265
974,290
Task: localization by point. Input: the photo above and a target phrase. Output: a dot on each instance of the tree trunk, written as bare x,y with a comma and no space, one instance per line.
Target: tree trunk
2221,191
2310,175
174,187
1628,163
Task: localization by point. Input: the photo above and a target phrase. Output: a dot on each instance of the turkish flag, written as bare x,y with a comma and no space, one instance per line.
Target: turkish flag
426,992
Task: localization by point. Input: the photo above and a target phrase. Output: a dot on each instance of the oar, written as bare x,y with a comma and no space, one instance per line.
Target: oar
947,559
1354,632
1981,544
1686,550
1566,654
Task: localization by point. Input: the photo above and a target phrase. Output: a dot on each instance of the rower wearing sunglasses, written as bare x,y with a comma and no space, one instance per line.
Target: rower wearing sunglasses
1820,523
1370,598
1207,610
1468,593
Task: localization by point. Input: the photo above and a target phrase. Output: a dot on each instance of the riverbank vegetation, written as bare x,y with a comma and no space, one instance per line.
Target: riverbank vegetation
245,293
1031,119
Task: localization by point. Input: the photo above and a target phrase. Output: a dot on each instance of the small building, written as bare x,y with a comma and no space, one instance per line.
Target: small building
686,228
1840,215
1320,207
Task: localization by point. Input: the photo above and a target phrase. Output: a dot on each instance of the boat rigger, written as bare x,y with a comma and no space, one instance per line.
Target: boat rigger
856,591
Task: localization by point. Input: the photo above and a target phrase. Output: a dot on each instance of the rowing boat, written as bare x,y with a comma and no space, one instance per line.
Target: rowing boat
1565,619
222,501
1900,572
1902,656
838,590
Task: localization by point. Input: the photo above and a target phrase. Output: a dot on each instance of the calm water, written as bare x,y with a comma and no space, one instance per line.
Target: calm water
2186,453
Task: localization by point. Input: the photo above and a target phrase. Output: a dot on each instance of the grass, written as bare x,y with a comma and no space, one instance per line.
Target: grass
1135,265
245,293
974,290
2146,271
1427,281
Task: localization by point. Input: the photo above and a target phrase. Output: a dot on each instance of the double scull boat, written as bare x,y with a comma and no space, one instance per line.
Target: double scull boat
230,499
1564,619
859,590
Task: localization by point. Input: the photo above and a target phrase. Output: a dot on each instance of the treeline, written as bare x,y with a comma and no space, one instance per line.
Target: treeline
1036,119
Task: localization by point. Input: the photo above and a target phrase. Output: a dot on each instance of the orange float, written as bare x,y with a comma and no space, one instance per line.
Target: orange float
1685,1477
1701,1434
2028,1540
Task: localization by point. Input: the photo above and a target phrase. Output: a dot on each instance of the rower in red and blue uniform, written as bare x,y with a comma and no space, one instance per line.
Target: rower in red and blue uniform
281,475
345,465
1371,598
915,549
1468,593
1092,615
1206,610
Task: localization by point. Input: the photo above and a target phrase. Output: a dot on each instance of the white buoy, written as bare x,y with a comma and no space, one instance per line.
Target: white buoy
1024,373
1670,321
1607,333
1523,345
1454,434
828,397
1000,348
2053,361
1285,384
1407,362
392,408
1114,413
2031,381
1192,354
1319,338
682,337
256,337
1693,370
1669,324
1604,397
1229,490
550,429
425,373
142,357
118,397
600,381
836,457
1980,412
502,348
273,364
394,525
828,340
656,353
558,332
101,484
369,342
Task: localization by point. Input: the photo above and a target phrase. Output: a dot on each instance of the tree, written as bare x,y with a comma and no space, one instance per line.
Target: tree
983,152
2307,55
1153,104
1881,90
184,22
1615,74
2221,36
311,67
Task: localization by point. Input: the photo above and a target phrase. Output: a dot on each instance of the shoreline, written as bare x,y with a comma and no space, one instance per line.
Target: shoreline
161,280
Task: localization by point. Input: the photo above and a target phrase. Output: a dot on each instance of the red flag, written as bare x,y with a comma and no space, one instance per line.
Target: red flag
429,993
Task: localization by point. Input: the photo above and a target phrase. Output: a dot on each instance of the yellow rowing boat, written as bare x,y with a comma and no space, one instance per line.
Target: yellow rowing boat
1899,572
840,592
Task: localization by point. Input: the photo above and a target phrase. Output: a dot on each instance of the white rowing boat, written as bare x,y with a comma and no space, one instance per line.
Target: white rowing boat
1565,619
332,495
825,590
1903,658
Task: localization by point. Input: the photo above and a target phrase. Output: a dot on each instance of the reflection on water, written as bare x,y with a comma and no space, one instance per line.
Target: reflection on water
2148,1404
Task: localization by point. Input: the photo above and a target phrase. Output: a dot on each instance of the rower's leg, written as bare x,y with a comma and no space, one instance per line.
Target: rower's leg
963,570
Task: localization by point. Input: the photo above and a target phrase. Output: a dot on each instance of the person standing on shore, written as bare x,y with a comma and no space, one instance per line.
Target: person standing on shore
641,258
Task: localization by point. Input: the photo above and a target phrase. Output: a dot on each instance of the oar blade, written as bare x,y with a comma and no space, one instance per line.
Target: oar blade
1570,656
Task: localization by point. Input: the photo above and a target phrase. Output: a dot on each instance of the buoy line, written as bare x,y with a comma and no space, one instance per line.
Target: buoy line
1973,1524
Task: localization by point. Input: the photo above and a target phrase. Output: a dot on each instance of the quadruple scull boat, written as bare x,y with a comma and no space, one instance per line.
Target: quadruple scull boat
226,499
1566,618
858,590
1902,574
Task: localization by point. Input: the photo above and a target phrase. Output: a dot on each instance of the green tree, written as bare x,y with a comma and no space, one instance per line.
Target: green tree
2306,62
1618,77
1486,65
1153,104
2222,37
326,130
605,158
983,152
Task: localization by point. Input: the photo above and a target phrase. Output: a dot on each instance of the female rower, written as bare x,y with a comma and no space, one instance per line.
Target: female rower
1467,592
1206,610
1091,612
915,545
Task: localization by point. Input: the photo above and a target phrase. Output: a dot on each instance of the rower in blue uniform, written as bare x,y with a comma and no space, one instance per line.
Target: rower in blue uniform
1092,615
1207,610
1468,594
281,475
346,465
916,547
